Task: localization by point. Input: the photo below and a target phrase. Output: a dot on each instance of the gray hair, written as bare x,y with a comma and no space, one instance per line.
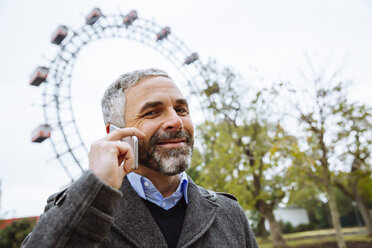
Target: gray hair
113,101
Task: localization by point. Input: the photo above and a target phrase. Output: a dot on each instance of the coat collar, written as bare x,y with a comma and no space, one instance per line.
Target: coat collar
133,220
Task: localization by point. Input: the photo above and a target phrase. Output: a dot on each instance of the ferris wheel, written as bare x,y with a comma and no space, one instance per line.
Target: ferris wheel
60,124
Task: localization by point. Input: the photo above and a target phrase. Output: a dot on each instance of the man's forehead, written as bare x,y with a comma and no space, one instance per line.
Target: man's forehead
152,104
154,90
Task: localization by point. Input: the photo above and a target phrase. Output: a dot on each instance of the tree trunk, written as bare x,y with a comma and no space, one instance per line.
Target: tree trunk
276,233
365,214
328,215
335,216
262,228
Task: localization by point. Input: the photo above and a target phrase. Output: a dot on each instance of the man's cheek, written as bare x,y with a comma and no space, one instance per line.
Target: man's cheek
142,147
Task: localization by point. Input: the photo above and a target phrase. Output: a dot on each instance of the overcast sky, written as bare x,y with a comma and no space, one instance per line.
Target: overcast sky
267,36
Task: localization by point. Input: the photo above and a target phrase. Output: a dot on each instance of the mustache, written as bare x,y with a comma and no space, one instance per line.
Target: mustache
180,134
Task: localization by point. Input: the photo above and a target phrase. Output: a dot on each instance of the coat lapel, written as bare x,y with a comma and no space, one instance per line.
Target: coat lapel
133,220
200,215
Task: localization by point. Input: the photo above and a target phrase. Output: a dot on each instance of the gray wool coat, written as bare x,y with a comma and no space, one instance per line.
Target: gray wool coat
91,214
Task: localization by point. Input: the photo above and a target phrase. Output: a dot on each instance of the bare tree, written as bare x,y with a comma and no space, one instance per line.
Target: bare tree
315,105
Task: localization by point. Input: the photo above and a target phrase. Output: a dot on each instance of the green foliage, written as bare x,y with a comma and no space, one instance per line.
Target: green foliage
13,235
246,160
365,188
286,227
242,151
355,139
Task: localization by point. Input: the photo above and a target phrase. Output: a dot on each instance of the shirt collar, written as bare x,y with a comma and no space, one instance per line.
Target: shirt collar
146,190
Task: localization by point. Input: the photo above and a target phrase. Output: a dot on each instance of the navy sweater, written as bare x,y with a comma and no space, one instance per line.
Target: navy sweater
169,221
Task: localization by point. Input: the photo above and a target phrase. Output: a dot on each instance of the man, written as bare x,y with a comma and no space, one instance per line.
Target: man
156,205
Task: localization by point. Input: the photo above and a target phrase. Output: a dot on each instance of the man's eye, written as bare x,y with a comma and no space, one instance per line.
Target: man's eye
150,113
182,111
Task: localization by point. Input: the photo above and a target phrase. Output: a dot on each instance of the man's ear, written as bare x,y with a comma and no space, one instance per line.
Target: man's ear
108,128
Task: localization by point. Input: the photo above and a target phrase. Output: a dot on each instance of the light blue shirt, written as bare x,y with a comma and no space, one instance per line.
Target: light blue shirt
146,190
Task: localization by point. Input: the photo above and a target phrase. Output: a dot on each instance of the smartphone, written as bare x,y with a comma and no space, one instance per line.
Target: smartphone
133,142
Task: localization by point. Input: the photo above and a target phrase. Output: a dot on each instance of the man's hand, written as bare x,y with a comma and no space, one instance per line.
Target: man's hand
106,156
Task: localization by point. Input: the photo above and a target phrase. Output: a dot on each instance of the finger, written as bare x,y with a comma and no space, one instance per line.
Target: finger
126,155
124,149
121,160
121,167
120,133
128,165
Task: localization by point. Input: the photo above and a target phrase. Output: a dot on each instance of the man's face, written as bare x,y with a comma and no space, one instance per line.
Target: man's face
157,107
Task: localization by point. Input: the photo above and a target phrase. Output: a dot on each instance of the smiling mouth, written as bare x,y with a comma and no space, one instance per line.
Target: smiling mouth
172,143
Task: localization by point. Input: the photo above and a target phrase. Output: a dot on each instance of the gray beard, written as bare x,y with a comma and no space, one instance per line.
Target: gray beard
166,161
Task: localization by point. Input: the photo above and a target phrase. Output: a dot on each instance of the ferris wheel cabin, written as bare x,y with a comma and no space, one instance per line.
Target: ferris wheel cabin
164,32
93,16
192,58
39,75
130,18
41,133
59,35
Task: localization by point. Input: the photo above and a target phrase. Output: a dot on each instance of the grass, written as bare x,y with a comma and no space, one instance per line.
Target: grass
318,237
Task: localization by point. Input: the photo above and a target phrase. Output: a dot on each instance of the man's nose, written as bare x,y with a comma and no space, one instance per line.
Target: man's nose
173,121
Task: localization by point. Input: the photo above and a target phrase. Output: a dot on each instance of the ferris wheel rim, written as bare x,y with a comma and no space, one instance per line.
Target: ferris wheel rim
141,26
